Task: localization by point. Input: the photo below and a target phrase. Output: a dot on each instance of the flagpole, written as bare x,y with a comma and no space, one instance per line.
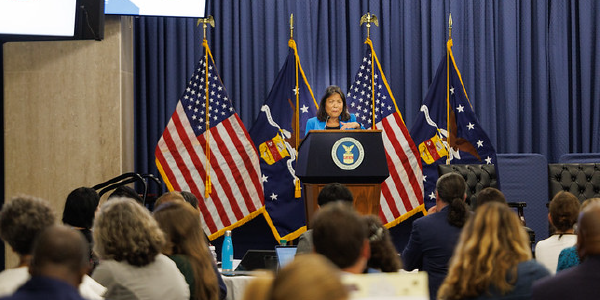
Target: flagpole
369,18
297,187
209,20
448,87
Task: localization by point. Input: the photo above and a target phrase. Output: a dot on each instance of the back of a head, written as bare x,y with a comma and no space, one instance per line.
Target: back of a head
384,256
80,207
451,188
124,191
564,209
588,230
334,192
168,197
190,198
491,245
60,248
22,219
339,234
490,194
180,223
125,231
308,276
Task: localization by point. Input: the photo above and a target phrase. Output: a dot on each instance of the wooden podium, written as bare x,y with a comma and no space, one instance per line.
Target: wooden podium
355,158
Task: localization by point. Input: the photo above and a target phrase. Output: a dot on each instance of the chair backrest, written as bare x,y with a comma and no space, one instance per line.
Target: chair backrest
580,179
477,177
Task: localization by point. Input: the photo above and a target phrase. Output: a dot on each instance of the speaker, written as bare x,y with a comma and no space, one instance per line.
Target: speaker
89,20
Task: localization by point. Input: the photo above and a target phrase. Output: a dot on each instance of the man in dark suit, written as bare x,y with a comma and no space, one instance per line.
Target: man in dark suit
579,282
434,236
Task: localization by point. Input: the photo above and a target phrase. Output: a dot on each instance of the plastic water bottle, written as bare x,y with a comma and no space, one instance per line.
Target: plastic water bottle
227,253
213,252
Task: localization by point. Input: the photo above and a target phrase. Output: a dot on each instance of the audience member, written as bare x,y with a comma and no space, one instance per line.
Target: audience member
384,256
490,194
22,219
309,276
187,247
124,191
259,288
168,197
579,282
341,235
434,236
330,193
492,259
190,198
564,209
178,197
59,263
568,257
80,210
129,243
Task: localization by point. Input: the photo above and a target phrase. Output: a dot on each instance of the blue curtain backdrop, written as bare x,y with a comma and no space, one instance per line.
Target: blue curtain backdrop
529,67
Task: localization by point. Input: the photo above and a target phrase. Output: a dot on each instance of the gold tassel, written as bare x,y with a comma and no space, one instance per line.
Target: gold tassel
298,193
207,188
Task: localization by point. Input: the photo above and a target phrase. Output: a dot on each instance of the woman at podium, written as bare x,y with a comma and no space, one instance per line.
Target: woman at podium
333,112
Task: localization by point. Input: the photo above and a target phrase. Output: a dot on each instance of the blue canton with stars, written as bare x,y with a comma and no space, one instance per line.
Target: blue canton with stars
194,98
471,144
359,95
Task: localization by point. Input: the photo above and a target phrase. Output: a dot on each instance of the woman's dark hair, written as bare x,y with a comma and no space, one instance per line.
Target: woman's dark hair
564,210
334,192
322,113
127,192
451,189
80,207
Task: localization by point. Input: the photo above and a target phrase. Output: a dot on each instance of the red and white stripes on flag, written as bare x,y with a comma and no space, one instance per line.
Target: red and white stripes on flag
402,191
230,163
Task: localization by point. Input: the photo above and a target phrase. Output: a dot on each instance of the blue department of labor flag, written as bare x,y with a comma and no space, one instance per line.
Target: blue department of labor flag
446,129
219,165
402,192
277,133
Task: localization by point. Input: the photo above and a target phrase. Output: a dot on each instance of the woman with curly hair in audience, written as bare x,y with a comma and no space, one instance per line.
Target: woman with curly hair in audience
129,243
187,247
492,259
384,256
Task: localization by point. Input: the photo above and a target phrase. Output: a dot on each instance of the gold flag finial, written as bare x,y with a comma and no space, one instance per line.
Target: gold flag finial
369,18
291,26
450,26
208,20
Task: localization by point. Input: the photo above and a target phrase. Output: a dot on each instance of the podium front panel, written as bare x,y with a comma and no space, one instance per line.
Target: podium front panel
344,156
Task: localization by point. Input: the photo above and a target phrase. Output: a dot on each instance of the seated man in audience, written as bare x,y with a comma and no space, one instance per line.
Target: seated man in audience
59,262
21,221
434,236
330,193
341,235
579,282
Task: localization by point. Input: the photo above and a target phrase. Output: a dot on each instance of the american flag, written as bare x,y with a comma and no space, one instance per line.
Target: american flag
402,191
232,164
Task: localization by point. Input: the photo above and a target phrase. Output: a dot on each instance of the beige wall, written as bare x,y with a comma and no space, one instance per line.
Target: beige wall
68,114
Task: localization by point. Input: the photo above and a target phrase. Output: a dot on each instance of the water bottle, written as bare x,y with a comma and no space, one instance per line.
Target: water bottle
213,252
227,253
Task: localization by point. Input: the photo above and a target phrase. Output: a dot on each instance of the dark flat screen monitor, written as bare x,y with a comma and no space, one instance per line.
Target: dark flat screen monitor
170,8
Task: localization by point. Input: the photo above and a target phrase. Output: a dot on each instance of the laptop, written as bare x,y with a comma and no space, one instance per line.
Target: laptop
257,259
285,255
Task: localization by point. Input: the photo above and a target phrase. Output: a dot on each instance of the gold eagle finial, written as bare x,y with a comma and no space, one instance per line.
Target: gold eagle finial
369,18
208,20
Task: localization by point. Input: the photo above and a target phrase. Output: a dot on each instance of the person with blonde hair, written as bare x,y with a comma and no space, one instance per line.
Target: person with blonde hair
308,276
129,243
187,247
564,209
492,259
